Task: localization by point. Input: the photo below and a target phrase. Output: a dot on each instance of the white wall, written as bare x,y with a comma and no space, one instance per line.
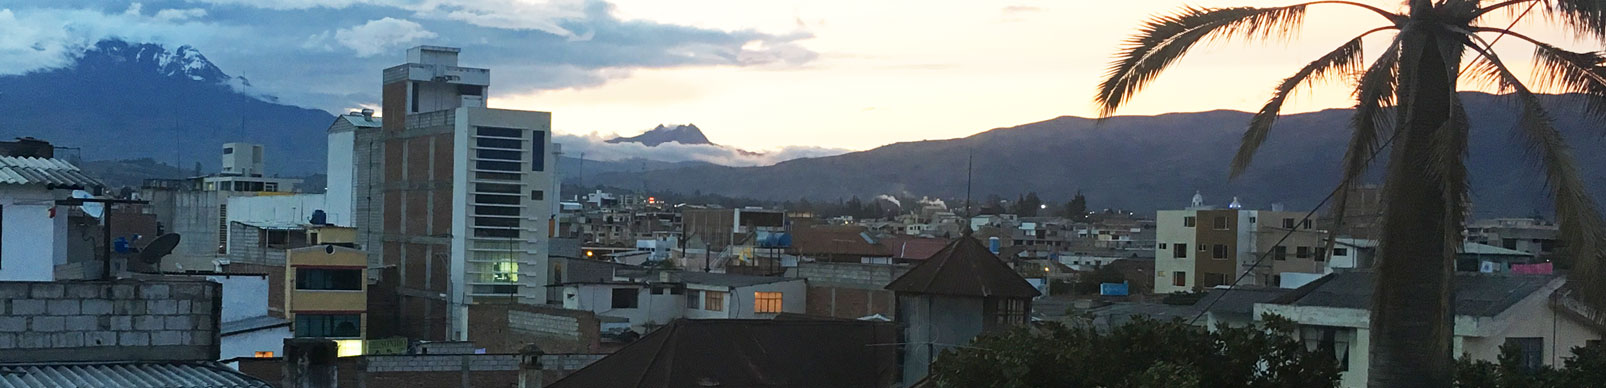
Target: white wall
244,296
31,242
1169,230
246,344
339,192
279,209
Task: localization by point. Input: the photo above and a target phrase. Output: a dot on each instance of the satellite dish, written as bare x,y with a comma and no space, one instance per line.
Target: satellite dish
161,246
93,209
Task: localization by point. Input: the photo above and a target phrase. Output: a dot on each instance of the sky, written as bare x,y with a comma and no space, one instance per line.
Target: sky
795,78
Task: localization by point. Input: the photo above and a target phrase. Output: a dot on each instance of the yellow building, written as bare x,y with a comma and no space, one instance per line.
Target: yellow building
327,292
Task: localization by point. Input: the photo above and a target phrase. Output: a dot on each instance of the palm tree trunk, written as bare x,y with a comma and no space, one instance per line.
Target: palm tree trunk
1412,318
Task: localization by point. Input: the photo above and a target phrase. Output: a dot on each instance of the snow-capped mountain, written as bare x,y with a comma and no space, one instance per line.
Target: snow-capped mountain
184,62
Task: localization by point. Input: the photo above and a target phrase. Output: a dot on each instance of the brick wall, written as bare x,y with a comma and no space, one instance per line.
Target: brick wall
124,320
508,328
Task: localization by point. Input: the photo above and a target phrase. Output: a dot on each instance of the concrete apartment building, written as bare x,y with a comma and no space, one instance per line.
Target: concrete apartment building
198,207
1535,236
327,294
1203,247
456,197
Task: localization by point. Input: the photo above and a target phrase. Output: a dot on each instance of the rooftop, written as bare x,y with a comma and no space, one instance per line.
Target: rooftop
964,268
126,375
1476,294
44,171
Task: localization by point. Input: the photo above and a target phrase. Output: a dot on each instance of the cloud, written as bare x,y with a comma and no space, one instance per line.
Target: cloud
328,53
381,35
596,147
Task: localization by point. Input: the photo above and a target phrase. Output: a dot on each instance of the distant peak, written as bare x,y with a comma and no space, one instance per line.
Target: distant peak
183,62
683,134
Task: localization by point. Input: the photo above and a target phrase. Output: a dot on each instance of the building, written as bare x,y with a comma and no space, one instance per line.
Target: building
242,159
1532,235
327,294
424,366
1531,312
198,209
1203,247
148,332
453,195
1354,253
750,353
962,291
647,300
33,229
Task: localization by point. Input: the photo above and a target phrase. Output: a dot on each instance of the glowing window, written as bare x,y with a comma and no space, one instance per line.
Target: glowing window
766,302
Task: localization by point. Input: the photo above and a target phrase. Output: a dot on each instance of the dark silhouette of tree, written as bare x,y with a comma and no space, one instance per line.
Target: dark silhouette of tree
1076,210
1406,99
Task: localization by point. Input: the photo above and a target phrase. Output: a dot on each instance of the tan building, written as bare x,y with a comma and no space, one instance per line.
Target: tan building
327,292
1203,247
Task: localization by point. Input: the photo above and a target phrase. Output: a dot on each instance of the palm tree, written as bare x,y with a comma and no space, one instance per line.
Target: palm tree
1407,98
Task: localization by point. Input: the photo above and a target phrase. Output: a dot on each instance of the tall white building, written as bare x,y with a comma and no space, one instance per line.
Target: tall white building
450,198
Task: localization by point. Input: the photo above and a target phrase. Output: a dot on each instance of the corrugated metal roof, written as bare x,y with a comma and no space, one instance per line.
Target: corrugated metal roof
45,171
361,122
127,375
273,225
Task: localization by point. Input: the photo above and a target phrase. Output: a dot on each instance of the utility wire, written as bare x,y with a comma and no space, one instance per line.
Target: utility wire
1341,186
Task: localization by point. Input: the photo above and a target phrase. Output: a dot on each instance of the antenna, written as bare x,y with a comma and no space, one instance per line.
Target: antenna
970,166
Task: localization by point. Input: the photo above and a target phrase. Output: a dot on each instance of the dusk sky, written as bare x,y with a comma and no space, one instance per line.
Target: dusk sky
753,74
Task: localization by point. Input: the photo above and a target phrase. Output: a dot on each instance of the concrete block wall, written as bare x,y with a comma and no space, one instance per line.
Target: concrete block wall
544,324
851,275
120,320
442,363
569,362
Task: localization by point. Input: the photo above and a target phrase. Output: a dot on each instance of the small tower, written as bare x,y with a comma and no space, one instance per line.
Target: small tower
1235,204
1198,200
962,291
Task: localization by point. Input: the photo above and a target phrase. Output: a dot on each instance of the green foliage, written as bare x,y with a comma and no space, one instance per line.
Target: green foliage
1585,368
1089,283
1076,210
1143,353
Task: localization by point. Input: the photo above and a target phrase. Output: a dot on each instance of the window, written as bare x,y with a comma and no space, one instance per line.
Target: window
228,150
328,279
1187,222
496,233
496,199
414,86
1180,251
767,302
498,132
1321,254
1325,339
694,299
1340,251
498,143
1279,253
496,166
1162,246
262,354
1302,252
496,222
497,176
1304,224
624,298
495,211
1221,223
537,195
1288,223
1532,350
1006,312
1179,279
713,301
538,151
1214,279
1218,252
1251,219
328,325
497,188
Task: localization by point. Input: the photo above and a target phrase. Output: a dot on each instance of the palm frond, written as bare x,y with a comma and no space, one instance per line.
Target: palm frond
1164,39
1346,59
1586,18
1374,94
1572,72
1581,226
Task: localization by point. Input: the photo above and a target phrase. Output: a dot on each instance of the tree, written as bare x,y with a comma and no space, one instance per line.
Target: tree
1425,190
1028,205
1585,368
1076,210
1142,353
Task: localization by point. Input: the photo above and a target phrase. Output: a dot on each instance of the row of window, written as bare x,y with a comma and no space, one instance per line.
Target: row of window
763,302
328,325
1220,251
1220,222
329,279
503,144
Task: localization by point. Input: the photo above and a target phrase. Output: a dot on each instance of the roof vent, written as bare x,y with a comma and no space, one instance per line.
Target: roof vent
368,114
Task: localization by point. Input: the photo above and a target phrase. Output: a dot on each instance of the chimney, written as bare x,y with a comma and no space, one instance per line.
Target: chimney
368,114
530,368
310,363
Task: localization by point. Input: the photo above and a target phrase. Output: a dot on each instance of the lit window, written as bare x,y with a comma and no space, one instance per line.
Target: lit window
713,301
264,355
766,302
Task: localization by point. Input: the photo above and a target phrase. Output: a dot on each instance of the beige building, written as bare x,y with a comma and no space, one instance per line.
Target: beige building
326,292
1530,312
1203,247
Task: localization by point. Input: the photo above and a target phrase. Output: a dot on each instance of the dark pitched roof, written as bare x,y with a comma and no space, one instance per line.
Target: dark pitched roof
749,353
1478,295
847,241
127,374
1239,300
913,248
964,268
